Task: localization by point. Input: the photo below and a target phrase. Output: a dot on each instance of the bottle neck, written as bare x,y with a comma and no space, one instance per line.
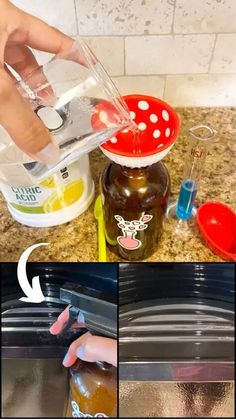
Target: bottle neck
103,365
138,172
134,177
80,366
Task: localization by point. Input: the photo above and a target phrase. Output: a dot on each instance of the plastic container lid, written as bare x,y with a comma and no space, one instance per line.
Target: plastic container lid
157,129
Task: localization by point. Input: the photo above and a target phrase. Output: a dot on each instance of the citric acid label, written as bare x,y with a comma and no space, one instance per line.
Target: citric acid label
53,194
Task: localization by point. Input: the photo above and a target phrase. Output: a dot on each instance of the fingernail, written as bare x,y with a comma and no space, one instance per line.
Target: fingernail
80,318
63,314
65,360
80,352
54,329
49,154
51,330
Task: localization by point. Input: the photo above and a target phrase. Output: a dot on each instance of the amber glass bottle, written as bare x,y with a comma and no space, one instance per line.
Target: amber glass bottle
93,390
134,202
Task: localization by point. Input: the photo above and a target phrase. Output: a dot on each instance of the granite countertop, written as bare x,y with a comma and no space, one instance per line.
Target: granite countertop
77,240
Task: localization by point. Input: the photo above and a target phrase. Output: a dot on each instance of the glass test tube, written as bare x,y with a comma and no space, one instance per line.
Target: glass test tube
198,143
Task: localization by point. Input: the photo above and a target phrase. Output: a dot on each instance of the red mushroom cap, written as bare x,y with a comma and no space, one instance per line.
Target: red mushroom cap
158,126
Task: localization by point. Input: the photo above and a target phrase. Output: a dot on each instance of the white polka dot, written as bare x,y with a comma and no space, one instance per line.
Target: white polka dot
143,105
125,131
153,118
165,115
167,132
156,133
142,126
132,114
159,145
103,117
113,140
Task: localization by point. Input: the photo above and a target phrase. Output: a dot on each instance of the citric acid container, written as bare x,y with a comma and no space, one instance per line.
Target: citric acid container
56,200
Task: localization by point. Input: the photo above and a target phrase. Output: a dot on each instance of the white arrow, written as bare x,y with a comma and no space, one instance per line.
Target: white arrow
33,294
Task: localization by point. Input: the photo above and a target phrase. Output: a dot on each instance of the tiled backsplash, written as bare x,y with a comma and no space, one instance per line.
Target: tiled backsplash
179,50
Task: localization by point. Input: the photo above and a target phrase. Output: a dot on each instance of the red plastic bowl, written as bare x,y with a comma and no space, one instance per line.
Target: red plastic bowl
217,223
157,122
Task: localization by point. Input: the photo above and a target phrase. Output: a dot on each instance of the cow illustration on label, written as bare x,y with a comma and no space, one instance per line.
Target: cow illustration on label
130,229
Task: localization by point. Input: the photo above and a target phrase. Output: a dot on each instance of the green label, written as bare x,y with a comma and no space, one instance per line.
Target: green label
28,210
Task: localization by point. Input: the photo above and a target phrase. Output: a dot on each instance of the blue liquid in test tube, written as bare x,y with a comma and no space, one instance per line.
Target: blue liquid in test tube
187,195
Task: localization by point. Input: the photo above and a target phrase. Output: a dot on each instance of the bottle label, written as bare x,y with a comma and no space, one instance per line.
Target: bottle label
76,413
130,229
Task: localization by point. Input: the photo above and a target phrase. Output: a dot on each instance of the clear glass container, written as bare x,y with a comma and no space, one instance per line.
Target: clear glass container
76,100
180,214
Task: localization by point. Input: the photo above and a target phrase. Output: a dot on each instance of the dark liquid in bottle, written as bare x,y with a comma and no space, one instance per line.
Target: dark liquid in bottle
134,206
93,390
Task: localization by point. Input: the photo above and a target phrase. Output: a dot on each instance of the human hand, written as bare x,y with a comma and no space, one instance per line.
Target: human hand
18,32
87,347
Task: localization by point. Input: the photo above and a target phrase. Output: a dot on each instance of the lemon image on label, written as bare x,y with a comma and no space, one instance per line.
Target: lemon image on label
68,195
50,182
